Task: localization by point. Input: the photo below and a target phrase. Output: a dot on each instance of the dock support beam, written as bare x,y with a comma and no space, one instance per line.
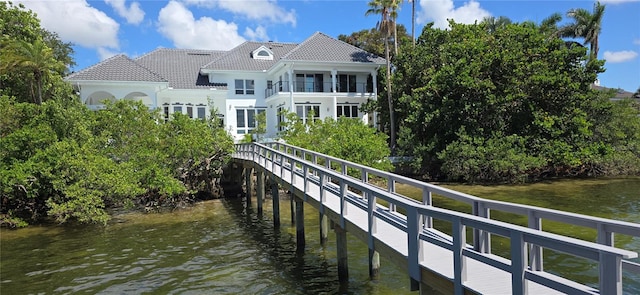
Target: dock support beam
293,209
300,241
324,229
248,171
260,190
275,195
374,264
343,262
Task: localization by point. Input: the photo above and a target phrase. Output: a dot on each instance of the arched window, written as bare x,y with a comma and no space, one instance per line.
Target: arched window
263,53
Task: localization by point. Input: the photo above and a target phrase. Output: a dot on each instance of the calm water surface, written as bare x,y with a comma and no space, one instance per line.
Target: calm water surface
222,247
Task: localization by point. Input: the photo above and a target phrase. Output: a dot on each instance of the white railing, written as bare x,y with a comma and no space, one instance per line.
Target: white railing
526,244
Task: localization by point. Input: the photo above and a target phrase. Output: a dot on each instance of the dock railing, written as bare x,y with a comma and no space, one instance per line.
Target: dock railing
526,243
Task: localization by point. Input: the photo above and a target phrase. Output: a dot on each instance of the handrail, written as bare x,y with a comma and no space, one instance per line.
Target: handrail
608,257
606,228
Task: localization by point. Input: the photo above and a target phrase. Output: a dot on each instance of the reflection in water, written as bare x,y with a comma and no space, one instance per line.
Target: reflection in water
223,247
216,247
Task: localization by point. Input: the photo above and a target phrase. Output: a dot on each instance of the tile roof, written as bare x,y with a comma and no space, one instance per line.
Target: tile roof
619,93
239,58
320,47
117,68
181,67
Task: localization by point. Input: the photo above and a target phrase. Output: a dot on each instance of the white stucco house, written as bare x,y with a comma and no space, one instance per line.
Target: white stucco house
321,75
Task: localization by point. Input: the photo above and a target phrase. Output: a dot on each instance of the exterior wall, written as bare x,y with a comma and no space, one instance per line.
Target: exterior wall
228,103
91,93
184,98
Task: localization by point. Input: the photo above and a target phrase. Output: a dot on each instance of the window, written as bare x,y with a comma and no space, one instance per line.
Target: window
346,83
202,113
281,115
309,82
177,109
190,111
166,113
246,119
263,53
347,110
305,112
269,84
245,87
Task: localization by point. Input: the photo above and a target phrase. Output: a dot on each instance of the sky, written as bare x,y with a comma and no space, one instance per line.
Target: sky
100,29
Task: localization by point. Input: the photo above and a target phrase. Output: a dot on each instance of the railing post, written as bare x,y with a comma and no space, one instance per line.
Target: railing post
610,274
305,171
364,178
414,247
518,263
374,256
427,200
391,187
604,237
481,239
536,254
459,267
343,202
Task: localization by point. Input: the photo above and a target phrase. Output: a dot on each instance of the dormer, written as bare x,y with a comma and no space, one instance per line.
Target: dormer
263,53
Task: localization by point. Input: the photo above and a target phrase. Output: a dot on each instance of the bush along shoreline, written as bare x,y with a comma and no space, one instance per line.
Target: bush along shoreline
61,161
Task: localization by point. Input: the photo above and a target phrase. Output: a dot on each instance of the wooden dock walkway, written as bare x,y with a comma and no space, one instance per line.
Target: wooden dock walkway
401,229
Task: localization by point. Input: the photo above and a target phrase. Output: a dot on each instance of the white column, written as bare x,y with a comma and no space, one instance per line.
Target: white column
292,107
334,73
374,80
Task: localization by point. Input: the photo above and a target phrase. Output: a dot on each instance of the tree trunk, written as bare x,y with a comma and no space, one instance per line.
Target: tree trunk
395,38
392,125
413,22
38,78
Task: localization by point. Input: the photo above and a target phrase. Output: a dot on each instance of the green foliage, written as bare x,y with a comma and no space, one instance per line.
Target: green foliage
345,138
32,59
62,161
469,92
496,159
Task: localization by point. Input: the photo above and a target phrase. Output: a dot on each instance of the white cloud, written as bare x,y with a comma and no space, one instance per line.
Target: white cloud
620,56
133,14
77,22
439,11
105,53
255,10
259,34
636,41
177,23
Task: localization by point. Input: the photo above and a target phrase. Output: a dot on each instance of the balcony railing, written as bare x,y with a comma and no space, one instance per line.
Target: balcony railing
326,87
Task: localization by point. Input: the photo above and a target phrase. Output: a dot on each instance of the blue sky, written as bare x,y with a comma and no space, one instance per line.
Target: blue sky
100,29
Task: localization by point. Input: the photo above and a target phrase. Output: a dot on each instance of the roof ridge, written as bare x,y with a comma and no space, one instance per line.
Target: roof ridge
98,64
301,44
227,53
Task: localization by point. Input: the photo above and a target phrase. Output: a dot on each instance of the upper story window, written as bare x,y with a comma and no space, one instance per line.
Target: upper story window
346,83
245,87
262,53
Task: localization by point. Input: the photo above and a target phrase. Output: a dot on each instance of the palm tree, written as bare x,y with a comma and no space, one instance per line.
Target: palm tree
413,21
385,26
585,25
549,25
495,23
35,58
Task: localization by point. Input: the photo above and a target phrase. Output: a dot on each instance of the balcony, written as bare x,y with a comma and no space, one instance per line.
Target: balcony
314,87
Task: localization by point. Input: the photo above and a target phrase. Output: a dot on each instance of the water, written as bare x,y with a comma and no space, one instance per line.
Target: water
221,247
